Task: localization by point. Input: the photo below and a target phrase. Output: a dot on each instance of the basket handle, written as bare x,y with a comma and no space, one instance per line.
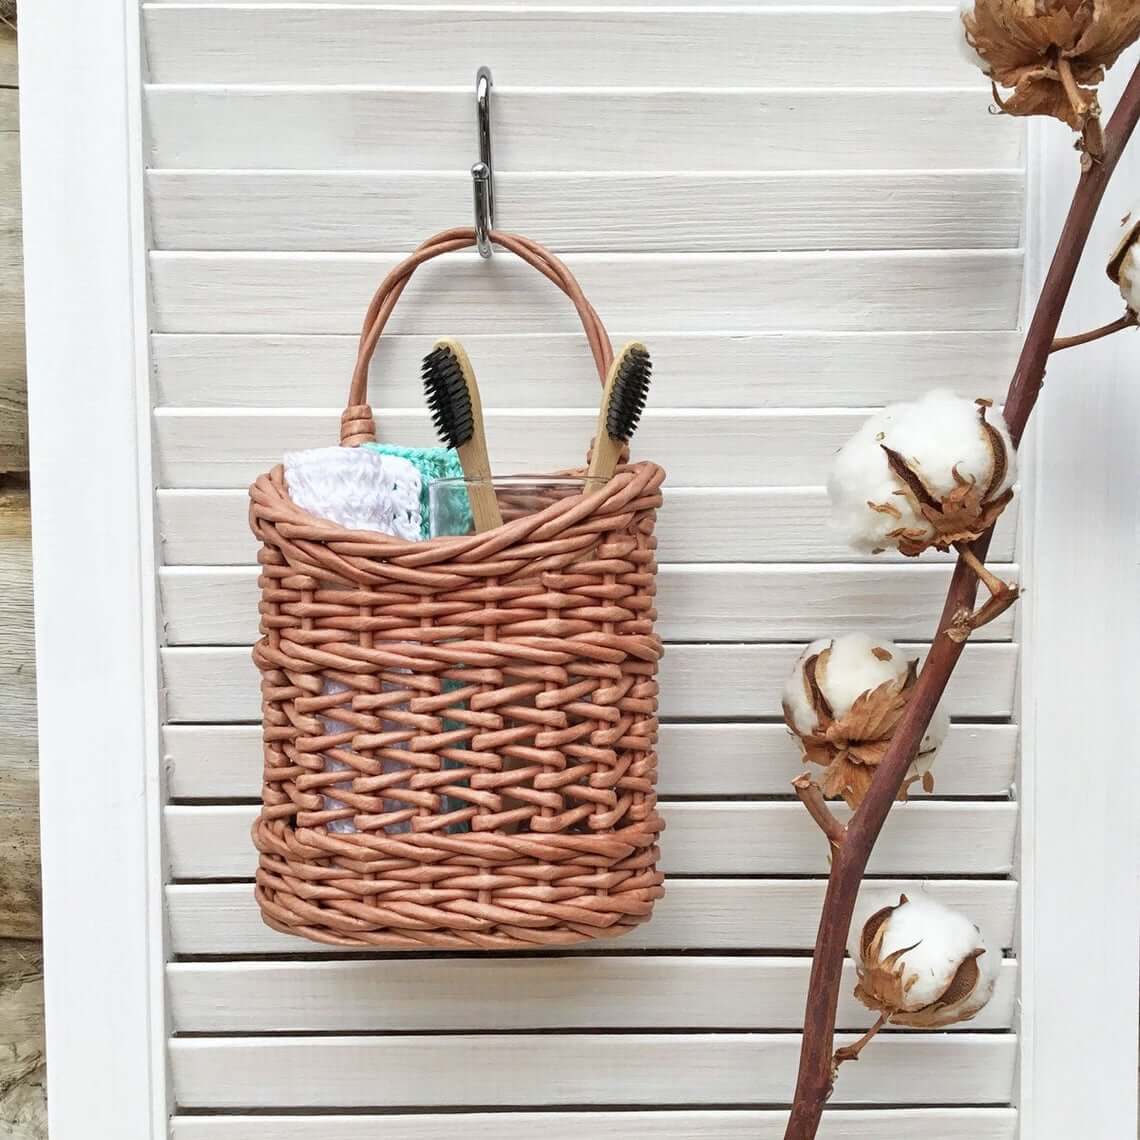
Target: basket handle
357,424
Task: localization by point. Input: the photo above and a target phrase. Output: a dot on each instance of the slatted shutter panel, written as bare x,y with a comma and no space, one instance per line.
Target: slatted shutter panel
806,212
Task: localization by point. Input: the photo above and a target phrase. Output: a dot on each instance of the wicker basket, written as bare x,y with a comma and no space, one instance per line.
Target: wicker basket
511,677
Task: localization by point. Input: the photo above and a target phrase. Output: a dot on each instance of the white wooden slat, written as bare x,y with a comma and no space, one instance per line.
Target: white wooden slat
208,686
715,914
723,524
576,1069
728,212
476,993
219,605
554,370
224,762
774,838
612,129
695,292
230,447
769,1124
683,47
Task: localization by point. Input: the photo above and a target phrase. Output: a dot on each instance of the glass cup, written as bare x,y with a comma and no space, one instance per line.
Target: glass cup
517,496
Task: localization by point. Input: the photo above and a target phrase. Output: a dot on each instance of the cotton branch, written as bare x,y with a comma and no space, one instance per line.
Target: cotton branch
811,796
1128,321
816,1069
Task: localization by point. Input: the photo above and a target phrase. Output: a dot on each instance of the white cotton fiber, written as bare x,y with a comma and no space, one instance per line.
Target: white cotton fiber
936,436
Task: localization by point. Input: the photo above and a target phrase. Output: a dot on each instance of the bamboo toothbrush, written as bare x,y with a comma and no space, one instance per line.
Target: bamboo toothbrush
623,400
453,397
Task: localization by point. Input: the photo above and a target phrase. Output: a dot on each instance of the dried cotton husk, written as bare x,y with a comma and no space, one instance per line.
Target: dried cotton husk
1050,54
1124,267
920,964
843,701
924,473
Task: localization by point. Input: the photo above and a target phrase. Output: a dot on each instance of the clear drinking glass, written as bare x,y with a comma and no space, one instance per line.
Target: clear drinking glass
517,496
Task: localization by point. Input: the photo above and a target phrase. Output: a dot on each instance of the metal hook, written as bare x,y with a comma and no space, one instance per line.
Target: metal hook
483,172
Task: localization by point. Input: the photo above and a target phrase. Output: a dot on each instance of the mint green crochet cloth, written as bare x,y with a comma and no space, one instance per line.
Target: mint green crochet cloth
432,463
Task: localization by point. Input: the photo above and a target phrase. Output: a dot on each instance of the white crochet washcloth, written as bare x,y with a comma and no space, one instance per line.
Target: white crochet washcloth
359,490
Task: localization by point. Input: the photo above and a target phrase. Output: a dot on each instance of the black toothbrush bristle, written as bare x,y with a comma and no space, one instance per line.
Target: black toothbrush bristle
628,395
445,390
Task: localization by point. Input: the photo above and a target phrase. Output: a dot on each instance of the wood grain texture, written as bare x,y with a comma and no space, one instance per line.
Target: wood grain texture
230,447
306,44
23,1101
327,292
603,1069
461,995
695,603
224,761
704,839
864,1124
717,914
554,370
378,128
696,524
210,686
728,212
19,814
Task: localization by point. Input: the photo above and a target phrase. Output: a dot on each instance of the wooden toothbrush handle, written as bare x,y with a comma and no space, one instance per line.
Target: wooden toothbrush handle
480,490
604,459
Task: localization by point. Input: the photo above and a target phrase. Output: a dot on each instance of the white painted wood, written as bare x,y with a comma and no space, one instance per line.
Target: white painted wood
775,838
707,603
328,293
378,128
697,681
729,212
476,993
1080,844
696,524
224,761
717,914
691,370
81,144
230,447
888,1124
682,47
551,1070
863,1124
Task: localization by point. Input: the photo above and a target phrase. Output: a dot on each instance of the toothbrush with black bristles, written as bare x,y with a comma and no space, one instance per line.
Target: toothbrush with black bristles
623,401
453,397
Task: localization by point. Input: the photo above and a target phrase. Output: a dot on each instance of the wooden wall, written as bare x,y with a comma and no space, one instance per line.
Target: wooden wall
22,1109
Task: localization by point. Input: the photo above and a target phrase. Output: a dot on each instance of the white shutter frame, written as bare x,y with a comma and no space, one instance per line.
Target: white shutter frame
93,548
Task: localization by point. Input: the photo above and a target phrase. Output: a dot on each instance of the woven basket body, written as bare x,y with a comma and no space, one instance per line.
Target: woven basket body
481,711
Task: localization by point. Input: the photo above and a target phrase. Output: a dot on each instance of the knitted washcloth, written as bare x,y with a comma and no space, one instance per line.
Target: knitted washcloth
432,463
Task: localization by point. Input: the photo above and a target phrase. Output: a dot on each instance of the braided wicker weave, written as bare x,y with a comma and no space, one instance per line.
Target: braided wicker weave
495,698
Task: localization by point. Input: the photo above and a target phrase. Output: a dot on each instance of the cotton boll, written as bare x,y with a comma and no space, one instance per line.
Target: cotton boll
942,431
860,476
928,472
919,962
1124,267
843,700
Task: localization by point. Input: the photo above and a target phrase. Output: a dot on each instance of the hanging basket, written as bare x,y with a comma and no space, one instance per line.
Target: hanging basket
483,709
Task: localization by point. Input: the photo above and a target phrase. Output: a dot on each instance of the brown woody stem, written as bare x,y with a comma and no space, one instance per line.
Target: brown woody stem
814,1082
1128,321
851,1052
811,796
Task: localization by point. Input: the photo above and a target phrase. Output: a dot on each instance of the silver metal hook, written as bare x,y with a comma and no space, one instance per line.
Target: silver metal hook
483,172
